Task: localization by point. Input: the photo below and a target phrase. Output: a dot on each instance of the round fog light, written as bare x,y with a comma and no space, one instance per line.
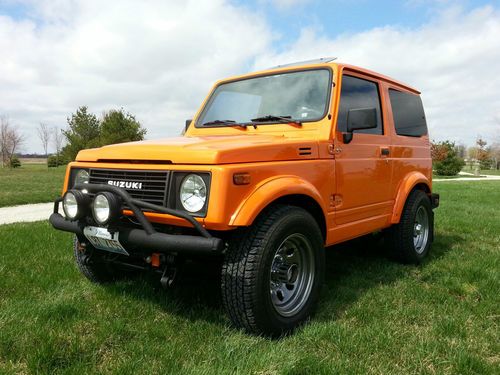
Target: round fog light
74,204
106,207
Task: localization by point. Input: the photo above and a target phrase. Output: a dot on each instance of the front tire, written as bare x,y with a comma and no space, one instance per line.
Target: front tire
89,262
411,239
273,271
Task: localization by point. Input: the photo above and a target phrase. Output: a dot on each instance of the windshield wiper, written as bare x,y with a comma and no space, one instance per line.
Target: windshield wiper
279,119
216,123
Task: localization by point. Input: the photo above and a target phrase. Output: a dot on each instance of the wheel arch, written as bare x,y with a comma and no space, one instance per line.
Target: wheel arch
284,190
413,181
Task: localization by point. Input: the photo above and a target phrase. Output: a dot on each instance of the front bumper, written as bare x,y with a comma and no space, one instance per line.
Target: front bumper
146,238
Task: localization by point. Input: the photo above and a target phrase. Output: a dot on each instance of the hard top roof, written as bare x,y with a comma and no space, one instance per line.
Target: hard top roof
330,60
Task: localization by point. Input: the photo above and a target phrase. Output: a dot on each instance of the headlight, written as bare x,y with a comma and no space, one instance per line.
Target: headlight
193,193
106,207
75,204
82,177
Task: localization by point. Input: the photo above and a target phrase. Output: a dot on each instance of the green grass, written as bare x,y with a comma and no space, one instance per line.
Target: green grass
493,172
31,183
375,316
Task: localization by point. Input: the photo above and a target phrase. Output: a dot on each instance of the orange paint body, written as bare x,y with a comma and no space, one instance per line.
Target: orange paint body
354,186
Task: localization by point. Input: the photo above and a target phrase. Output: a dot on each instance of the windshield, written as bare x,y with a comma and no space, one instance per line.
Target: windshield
300,96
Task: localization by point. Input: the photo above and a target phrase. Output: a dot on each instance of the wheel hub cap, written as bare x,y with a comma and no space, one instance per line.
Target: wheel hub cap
292,274
421,230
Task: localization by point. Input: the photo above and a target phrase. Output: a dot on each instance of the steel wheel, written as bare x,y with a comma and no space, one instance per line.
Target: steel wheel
421,230
273,271
292,275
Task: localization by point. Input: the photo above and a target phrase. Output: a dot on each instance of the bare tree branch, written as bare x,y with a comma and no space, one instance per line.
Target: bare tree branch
44,136
57,139
10,141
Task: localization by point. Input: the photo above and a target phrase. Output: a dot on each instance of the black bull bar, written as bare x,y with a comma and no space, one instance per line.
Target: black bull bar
146,238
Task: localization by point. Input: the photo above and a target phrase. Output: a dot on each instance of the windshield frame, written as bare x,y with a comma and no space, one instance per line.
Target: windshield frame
211,98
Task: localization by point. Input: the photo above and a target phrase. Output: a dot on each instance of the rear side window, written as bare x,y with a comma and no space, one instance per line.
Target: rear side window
358,93
408,113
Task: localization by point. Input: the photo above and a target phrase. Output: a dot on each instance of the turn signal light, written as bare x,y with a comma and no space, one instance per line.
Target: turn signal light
241,178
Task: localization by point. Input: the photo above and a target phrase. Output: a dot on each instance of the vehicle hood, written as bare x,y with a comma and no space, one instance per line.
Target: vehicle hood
206,150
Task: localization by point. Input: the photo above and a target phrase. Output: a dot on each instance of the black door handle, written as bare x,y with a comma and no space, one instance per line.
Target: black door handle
384,151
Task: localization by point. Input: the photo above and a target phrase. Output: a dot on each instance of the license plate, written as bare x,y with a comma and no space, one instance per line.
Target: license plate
100,238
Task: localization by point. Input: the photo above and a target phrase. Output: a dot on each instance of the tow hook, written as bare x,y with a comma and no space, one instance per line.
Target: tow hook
169,272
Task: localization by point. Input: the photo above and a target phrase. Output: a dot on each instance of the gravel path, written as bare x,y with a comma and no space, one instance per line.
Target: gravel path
26,213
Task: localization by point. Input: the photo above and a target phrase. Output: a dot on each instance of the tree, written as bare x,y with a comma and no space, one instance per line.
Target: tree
44,136
444,158
495,154
119,126
461,151
57,139
83,132
482,154
10,141
87,131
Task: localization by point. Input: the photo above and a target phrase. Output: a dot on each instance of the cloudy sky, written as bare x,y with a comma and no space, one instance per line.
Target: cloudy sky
158,59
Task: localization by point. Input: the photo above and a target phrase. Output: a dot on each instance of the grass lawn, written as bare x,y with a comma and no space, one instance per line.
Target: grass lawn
493,172
375,316
31,183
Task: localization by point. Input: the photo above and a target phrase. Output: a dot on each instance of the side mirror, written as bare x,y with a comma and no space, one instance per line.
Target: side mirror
359,118
186,126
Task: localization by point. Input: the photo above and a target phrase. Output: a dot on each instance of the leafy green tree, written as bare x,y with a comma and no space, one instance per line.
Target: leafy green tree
119,126
83,132
445,160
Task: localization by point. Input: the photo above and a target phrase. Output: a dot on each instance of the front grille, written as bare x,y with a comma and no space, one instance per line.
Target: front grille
154,183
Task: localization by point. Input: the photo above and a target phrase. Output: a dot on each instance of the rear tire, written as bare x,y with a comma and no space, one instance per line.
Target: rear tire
272,273
410,240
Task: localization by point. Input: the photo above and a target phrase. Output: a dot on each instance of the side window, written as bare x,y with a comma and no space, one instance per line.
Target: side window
358,93
408,113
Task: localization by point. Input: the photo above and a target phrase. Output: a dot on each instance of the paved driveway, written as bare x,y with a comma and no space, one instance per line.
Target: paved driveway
26,213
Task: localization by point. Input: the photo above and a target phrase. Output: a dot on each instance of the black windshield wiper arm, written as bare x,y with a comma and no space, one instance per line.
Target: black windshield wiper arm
216,123
279,119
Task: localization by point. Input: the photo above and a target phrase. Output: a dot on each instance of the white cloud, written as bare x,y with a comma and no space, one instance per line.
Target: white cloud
286,4
156,59
453,60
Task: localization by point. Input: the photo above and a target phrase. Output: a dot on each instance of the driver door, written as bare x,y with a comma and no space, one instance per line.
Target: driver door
363,167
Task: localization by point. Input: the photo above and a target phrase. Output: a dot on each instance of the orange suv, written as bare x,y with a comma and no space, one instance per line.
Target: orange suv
275,166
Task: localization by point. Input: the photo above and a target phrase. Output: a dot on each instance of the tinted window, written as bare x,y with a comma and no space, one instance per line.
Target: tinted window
408,113
358,93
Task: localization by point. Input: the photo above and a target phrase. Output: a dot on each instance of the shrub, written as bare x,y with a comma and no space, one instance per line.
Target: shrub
14,162
53,161
445,160
486,163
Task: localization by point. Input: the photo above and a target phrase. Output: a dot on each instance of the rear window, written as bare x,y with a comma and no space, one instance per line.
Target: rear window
408,113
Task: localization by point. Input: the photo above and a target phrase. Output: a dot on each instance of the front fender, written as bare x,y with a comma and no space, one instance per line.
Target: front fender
404,189
267,192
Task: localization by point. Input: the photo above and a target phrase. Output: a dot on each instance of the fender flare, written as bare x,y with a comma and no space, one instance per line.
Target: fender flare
404,189
267,192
